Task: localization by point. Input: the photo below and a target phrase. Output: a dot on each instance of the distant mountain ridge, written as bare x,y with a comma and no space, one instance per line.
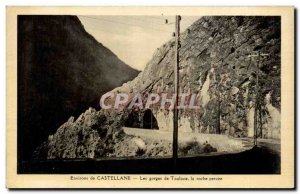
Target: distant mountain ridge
62,70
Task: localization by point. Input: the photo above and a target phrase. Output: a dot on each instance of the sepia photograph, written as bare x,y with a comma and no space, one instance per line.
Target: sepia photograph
168,95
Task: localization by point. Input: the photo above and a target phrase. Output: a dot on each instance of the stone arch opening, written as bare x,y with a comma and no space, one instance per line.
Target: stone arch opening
149,120
134,120
142,119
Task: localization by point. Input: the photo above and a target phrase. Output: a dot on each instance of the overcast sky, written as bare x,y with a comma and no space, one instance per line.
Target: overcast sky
133,39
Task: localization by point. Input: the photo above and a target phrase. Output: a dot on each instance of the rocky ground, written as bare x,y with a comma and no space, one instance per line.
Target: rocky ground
220,143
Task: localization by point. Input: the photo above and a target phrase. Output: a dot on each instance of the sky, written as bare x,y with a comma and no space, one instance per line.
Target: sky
133,39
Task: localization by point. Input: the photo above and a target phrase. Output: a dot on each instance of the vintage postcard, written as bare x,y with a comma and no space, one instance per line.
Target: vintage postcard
150,97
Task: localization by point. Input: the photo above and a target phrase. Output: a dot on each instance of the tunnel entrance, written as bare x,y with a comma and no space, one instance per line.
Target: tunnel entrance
134,120
142,119
149,120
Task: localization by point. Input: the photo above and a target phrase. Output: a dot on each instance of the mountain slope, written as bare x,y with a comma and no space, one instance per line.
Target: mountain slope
62,70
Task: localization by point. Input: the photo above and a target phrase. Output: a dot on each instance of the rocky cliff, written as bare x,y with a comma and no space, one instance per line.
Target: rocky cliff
62,70
214,64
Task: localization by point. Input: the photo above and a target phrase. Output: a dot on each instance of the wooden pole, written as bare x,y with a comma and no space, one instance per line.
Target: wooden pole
219,115
256,96
260,121
176,85
255,124
256,102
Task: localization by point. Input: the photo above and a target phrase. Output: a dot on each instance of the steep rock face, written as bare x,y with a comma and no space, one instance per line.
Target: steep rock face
62,70
215,65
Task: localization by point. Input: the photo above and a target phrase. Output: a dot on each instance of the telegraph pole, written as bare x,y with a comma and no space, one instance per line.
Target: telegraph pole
257,95
256,101
176,74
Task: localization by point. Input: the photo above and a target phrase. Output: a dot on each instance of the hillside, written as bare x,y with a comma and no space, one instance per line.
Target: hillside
62,70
